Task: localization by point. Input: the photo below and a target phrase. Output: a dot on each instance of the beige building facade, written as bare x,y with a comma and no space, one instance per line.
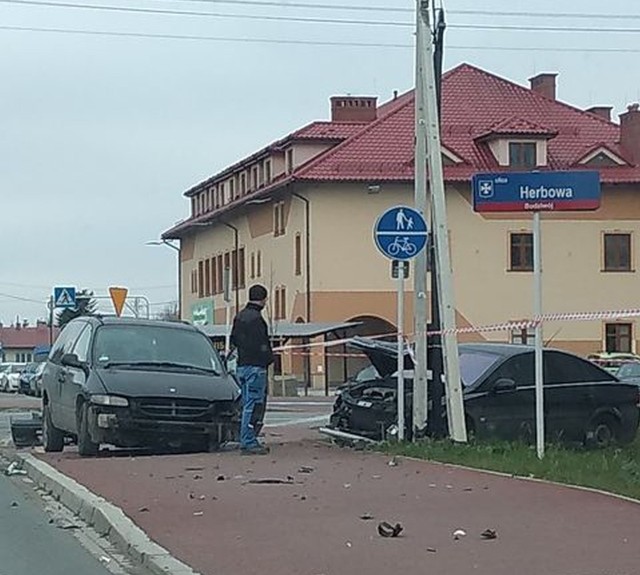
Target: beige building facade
298,217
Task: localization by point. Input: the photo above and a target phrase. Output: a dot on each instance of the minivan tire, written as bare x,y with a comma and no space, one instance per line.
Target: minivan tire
52,437
86,446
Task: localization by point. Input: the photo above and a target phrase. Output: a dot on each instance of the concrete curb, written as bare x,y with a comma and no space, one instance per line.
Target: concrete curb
506,475
105,518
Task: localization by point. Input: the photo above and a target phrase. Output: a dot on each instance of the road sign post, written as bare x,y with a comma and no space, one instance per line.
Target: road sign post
401,234
537,192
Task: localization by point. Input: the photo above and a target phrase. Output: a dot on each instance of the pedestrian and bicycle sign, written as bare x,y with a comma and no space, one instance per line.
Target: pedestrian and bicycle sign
64,297
401,233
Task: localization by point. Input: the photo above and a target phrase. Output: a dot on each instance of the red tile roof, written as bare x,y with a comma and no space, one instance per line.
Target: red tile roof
517,126
474,103
25,337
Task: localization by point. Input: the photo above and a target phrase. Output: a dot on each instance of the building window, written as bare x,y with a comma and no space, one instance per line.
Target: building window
289,160
200,278
194,281
280,302
278,219
220,274
297,254
194,206
522,155
207,277
619,338
252,266
243,184
617,252
259,264
232,189
214,286
521,252
242,280
234,269
256,179
523,336
267,171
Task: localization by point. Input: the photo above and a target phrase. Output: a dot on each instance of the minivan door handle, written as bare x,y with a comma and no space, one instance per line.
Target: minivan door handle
62,376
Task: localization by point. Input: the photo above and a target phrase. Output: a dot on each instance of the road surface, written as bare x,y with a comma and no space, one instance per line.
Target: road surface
29,544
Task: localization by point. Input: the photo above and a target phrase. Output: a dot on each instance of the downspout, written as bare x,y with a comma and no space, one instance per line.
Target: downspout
307,247
235,247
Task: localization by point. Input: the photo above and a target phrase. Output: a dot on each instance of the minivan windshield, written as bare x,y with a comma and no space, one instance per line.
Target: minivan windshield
149,345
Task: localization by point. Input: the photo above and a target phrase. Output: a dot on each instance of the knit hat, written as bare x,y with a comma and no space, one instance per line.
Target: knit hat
258,293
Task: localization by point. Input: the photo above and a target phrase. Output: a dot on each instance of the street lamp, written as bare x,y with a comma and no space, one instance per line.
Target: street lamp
177,249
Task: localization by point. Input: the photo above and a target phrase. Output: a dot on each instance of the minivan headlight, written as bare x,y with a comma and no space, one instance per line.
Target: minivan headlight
111,400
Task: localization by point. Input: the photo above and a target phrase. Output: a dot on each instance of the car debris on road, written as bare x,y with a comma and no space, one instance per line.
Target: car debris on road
385,529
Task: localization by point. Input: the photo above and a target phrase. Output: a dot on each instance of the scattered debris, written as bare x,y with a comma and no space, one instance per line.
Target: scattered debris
376,476
191,495
449,486
198,513
14,504
303,498
393,462
366,517
431,549
459,534
104,559
468,489
271,481
196,476
489,534
27,480
202,498
306,469
385,529
349,544
194,468
238,476
432,485
143,509
15,469
63,523
347,485
220,478
169,476
291,478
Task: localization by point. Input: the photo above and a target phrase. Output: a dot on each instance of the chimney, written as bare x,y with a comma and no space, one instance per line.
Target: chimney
353,109
545,85
630,133
603,112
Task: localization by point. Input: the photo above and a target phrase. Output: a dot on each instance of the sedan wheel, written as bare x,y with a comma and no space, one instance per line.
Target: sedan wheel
602,432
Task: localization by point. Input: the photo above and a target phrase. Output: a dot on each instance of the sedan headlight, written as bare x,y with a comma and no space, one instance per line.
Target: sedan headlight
111,400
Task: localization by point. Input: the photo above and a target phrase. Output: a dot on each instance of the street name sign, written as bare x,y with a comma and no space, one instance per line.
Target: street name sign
536,191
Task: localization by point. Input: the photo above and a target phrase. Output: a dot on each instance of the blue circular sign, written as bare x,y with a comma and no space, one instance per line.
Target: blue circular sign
401,233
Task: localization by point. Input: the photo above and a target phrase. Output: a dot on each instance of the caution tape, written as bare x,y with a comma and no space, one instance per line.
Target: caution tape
496,327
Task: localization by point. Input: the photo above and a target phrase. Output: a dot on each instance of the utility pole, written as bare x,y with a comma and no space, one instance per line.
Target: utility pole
453,384
420,303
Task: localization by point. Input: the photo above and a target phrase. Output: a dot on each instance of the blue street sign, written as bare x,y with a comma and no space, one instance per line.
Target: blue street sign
401,233
536,191
64,297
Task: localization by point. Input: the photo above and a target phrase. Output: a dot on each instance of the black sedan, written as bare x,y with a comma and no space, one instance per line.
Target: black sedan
582,401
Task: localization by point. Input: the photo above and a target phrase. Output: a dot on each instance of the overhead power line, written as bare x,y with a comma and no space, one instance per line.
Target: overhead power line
173,12
20,298
555,15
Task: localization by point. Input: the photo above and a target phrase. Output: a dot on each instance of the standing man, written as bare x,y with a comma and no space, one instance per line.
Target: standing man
250,335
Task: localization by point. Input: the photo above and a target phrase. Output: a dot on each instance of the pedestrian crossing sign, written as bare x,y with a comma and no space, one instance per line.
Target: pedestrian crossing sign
64,297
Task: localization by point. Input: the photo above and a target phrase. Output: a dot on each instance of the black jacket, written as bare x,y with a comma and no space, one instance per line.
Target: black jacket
250,336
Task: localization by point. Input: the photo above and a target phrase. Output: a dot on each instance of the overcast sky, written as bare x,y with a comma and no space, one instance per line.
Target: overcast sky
101,135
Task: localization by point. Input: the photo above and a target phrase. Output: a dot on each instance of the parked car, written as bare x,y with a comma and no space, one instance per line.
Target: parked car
630,372
136,383
24,385
583,402
10,376
36,380
612,361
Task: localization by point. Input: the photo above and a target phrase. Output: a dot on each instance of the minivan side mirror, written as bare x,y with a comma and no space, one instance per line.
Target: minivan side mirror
71,360
504,384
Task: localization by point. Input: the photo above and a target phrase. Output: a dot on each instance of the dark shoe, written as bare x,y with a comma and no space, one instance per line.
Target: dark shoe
255,450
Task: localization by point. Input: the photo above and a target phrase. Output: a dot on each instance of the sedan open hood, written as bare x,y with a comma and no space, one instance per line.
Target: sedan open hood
382,354
157,383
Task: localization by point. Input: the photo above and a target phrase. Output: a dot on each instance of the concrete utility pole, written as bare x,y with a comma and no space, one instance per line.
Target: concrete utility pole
420,303
428,92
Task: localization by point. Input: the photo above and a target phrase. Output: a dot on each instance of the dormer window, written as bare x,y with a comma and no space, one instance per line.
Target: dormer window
523,155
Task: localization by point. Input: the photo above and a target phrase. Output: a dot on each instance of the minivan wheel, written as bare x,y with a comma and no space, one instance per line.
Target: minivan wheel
86,447
52,437
602,432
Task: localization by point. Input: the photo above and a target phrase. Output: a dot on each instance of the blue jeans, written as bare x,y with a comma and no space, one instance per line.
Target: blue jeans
253,385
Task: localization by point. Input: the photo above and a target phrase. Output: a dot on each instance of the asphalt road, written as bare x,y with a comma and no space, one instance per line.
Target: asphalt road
29,544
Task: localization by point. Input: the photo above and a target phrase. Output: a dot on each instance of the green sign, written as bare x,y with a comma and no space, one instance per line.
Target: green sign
202,313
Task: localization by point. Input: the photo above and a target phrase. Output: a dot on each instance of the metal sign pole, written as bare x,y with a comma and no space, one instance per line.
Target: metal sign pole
537,312
401,274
